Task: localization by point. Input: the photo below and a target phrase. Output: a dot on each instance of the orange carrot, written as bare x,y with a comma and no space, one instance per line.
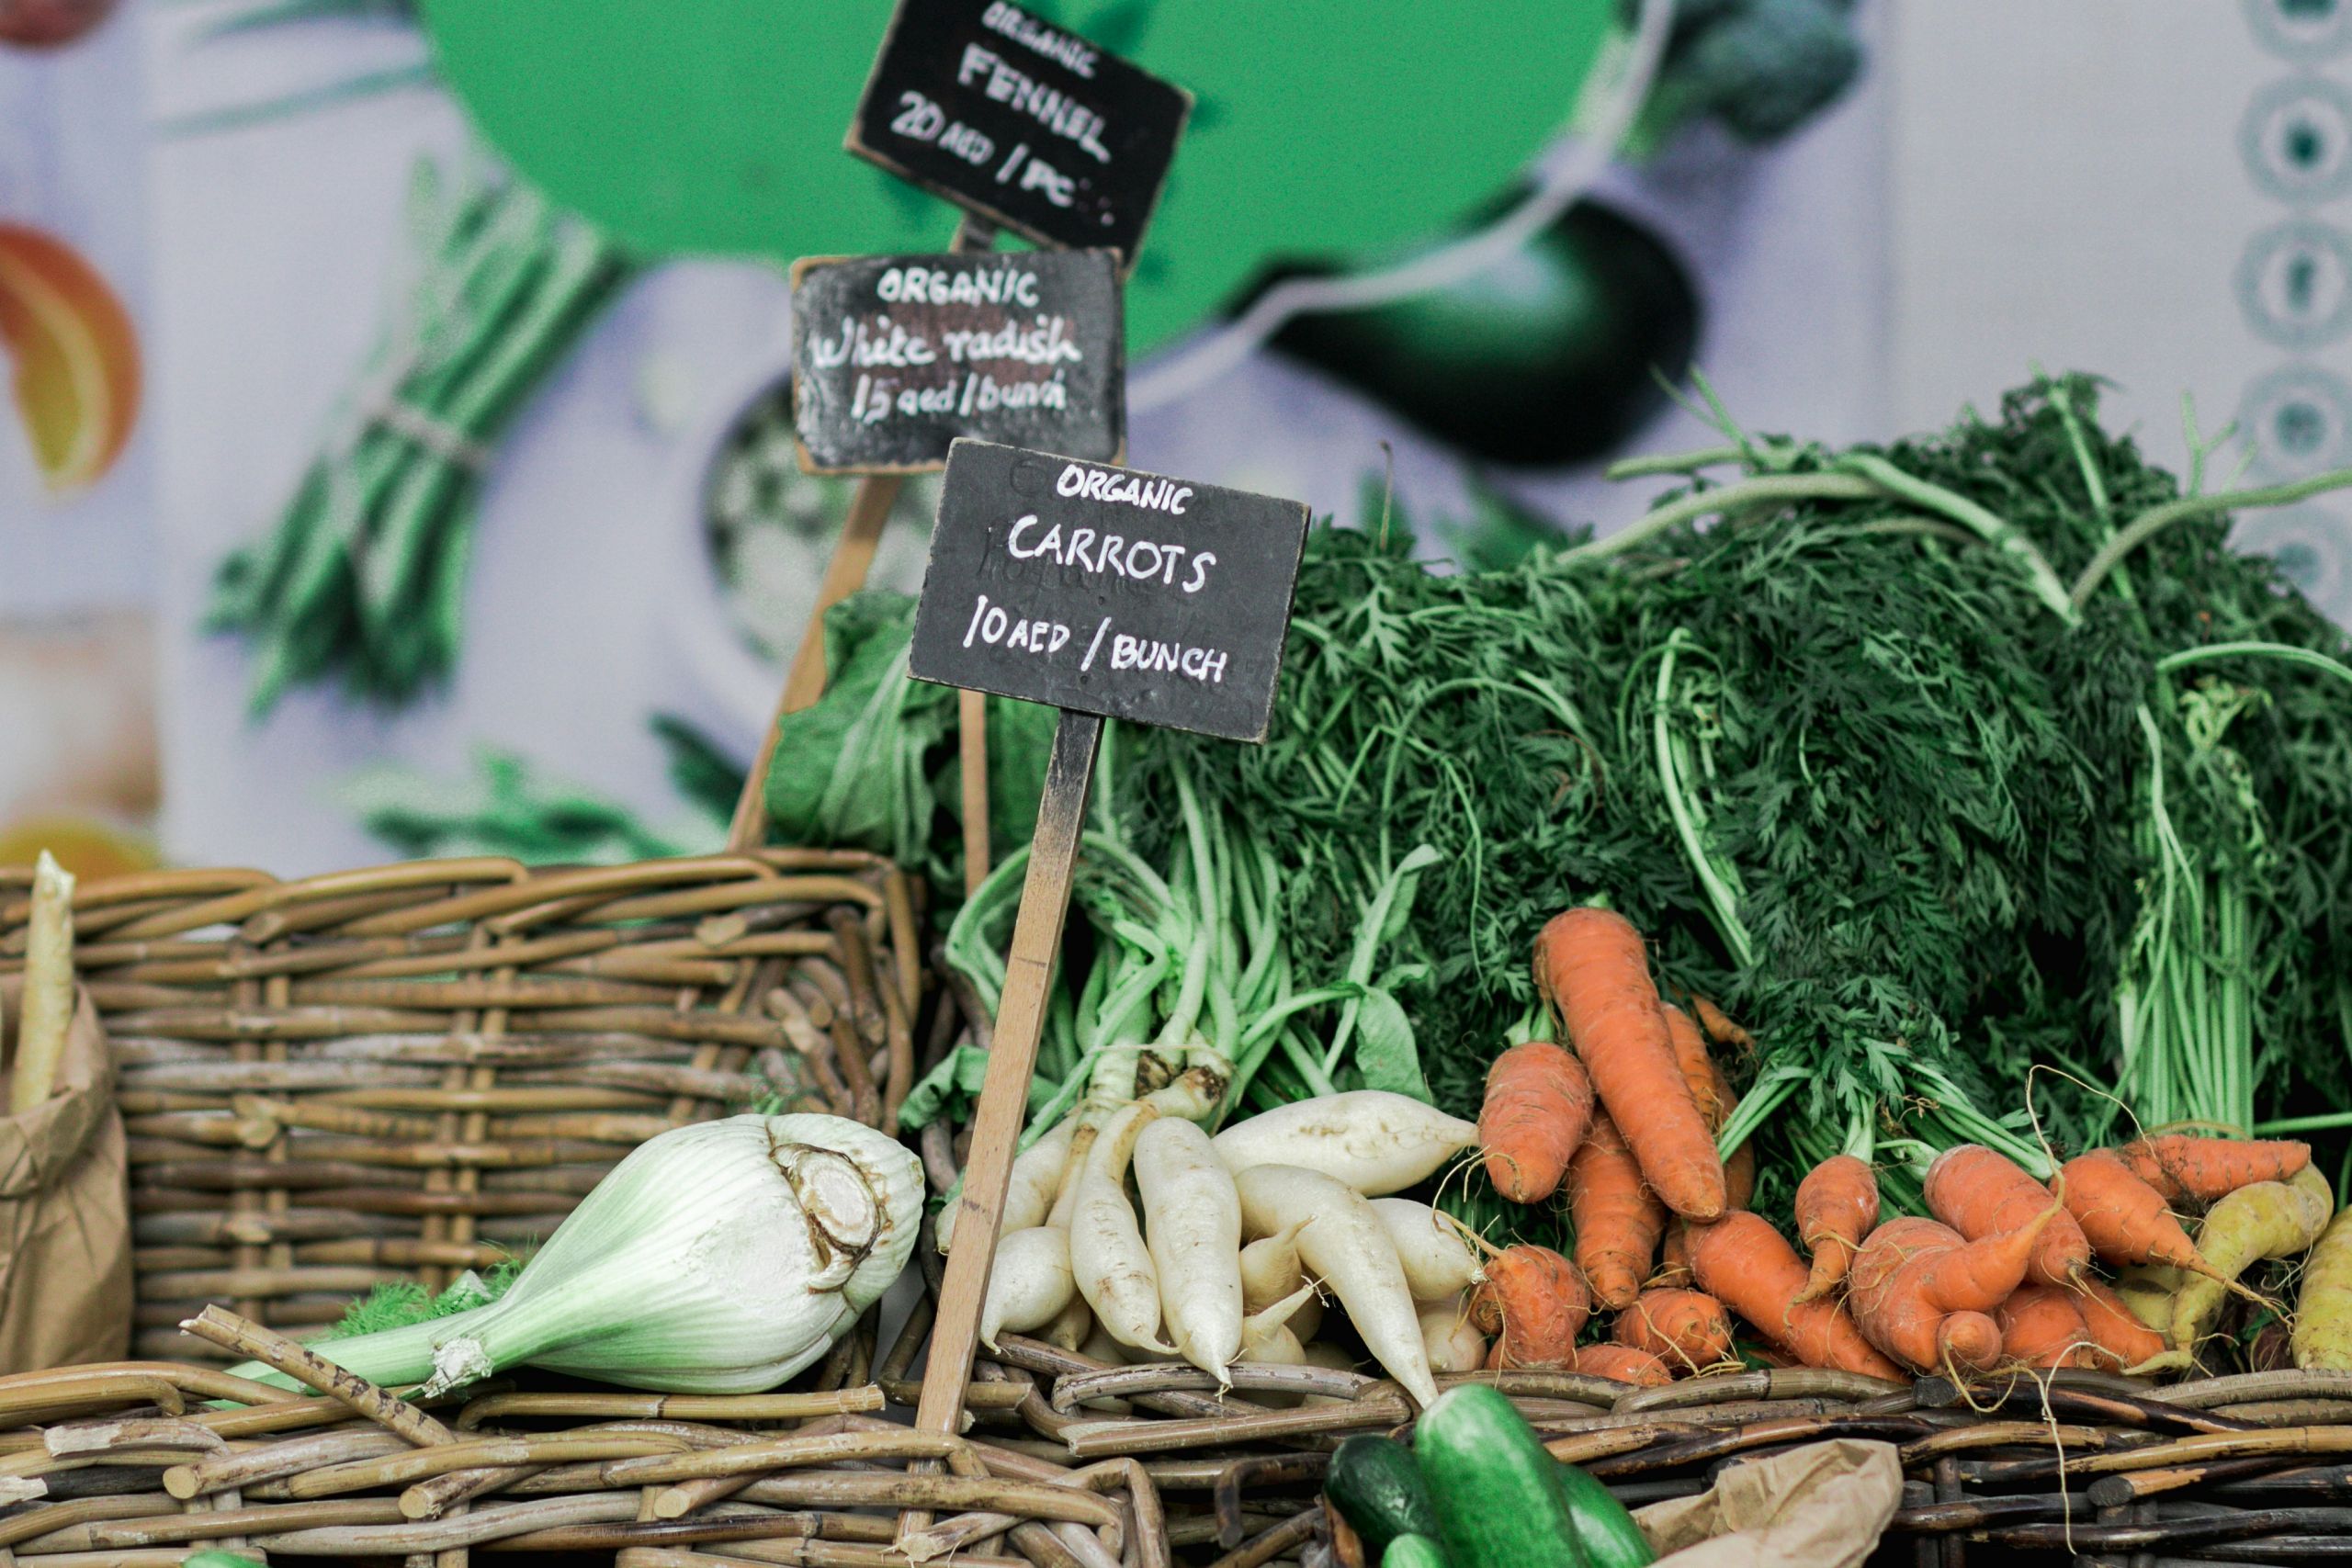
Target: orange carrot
1532,1302
1617,1222
1719,1027
2042,1326
1686,1330
1590,962
1712,1092
1982,1195
1893,1289
1747,1265
2112,1327
1837,1206
1739,1165
1673,1258
1539,1103
1977,1276
2205,1170
2124,1217
1698,1068
1622,1363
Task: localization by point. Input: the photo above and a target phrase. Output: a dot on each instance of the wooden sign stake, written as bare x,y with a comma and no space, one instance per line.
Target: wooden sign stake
1012,1056
845,572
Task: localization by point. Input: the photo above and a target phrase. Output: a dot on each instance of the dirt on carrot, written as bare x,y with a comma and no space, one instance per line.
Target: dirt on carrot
1750,1267
2205,1170
1837,1206
1532,1304
1981,1194
1617,1222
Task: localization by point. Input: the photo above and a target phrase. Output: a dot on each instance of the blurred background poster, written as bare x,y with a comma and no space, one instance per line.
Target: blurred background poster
433,447
78,570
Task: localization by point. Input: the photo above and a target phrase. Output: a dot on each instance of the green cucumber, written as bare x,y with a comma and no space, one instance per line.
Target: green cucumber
1497,1489
1378,1489
1609,1536
1413,1552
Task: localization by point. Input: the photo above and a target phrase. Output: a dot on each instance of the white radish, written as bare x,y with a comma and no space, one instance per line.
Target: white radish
1106,1248
1348,1248
1367,1139
1335,1358
1453,1343
1437,1262
1029,1284
1193,1224
1029,1196
1271,1272
1196,1092
1071,1326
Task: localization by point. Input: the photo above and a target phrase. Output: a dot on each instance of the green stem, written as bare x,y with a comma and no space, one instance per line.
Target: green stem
2286,653
1673,463
1722,896
1726,498
2156,519
2327,1124
1992,529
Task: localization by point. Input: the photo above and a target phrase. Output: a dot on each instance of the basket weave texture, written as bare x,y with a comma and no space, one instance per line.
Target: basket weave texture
406,1071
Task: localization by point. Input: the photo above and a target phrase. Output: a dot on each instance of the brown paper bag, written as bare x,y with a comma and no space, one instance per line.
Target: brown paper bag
65,1208
1823,1505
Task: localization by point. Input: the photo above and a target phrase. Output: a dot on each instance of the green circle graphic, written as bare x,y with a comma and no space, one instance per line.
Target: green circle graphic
1321,128
2296,139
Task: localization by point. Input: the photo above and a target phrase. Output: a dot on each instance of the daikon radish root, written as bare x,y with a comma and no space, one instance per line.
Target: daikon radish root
1029,1196
1837,1206
1688,1330
1192,1226
2268,1219
2124,1218
2205,1170
1620,1363
1982,1195
1452,1341
1591,964
1891,1289
1029,1284
2323,1336
1271,1272
1533,1305
1617,1222
1337,1359
1072,1326
2042,1326
1107,1254
1747,1265
1274,1322
2114,1326
1369,1140
45,1005
1438,1263
1347,1248
1538,1104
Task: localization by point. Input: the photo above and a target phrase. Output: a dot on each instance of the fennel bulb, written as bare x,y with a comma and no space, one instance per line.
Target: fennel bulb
721,1258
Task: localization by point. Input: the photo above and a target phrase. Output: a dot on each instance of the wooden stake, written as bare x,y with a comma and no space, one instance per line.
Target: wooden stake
853,558
1012,1055
972,738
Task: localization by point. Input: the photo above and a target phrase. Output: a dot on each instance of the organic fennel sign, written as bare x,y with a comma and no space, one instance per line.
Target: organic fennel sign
1024,122
896,356
1105,591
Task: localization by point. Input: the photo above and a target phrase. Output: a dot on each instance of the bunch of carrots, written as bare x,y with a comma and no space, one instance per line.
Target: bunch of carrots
1620,1118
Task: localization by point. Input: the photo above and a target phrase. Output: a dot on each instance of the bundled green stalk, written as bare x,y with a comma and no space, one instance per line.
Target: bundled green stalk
363,578
721,1258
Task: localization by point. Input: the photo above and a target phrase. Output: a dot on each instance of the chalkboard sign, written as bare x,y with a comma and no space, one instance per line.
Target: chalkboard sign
1108,591
1021,121
894,356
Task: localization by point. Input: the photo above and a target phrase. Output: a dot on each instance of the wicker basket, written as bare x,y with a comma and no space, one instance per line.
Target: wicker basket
399,1072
